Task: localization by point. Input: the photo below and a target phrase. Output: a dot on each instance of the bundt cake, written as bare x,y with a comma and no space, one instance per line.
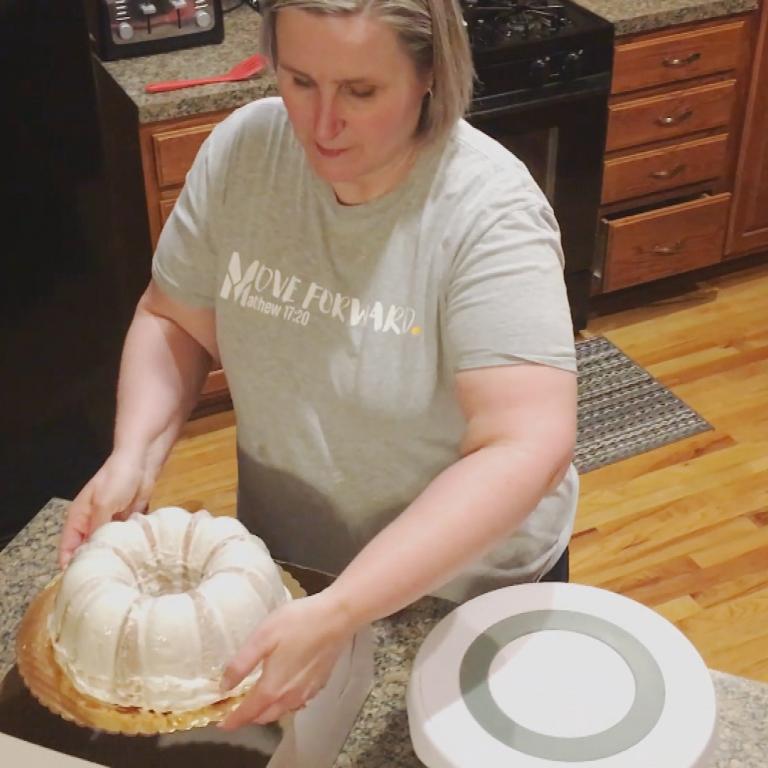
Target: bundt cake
151,609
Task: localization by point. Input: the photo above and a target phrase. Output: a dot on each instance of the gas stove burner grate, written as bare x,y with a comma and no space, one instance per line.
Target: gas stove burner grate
506,5
500,22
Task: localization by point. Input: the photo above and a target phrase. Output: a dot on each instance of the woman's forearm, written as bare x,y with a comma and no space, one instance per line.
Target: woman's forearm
461,514
161,374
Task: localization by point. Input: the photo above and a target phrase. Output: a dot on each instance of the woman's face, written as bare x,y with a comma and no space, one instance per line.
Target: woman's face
352,94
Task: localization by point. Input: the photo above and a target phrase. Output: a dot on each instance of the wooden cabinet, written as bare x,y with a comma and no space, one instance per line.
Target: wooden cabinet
673,127
167,151
671,56
666,241
661,169
748,230
681,112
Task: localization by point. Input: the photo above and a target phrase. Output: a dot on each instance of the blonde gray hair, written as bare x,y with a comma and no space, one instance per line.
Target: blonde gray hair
431,32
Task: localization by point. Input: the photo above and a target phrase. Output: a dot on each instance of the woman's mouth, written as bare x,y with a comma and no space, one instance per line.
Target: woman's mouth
329,152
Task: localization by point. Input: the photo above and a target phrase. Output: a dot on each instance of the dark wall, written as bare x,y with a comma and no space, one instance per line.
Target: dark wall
59,336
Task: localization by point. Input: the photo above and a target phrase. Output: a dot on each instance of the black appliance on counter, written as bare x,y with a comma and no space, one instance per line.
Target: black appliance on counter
65,299
124,28
544,72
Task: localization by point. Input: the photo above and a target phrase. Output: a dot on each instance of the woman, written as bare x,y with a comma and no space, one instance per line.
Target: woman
383,286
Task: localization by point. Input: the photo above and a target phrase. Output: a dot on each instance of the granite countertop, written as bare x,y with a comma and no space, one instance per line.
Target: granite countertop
241,34
629,16
380,737
241,39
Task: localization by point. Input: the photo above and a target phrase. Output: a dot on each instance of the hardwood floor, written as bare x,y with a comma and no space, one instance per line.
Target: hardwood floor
682,529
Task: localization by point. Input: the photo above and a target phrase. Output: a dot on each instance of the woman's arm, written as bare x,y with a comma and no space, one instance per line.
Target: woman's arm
168,351
519,440
167,354
521,428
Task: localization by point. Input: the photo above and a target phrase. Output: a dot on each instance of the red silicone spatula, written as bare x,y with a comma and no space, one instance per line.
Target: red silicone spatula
241,71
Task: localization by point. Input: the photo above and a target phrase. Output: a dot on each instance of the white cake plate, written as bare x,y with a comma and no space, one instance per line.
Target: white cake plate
546,675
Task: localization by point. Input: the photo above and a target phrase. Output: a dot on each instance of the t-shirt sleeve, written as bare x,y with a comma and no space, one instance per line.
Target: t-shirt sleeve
185,260
506,302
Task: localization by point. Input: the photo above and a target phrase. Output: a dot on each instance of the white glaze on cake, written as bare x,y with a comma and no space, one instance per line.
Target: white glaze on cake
150,610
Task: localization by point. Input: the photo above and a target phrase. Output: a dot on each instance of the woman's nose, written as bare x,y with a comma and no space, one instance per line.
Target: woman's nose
328,121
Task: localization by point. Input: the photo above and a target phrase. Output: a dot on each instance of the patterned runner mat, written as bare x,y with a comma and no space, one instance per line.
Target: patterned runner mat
623,410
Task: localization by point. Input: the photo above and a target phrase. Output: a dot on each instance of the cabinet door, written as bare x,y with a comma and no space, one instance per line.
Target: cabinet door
659,169
749,220
670,115
167,152
668,58
665,241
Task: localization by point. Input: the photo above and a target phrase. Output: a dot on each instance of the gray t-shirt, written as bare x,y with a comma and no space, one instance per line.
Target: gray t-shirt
341,329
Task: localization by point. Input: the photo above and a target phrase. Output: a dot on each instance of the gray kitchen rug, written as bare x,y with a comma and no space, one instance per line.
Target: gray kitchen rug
623,410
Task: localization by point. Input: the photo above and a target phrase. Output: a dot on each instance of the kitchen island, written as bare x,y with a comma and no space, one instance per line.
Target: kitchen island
380,737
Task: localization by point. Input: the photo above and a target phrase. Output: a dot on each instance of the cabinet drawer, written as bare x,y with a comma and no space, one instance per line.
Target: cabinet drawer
662,169
678,56
166,206
215,382
643,121
665,242
175,150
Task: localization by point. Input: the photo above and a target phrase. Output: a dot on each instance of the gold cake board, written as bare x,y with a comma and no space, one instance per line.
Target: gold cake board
52,688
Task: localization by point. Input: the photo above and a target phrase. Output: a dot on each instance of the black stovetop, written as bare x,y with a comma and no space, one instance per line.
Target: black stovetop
514,23
527,44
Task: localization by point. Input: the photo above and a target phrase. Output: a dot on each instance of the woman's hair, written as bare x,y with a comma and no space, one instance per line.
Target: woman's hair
431,32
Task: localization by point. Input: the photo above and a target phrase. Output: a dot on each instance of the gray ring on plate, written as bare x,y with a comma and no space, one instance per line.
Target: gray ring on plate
644,713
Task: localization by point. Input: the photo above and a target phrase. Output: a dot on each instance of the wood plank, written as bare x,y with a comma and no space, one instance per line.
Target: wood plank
656,491
722,552
615,564
678,608
707,586
712,502
743,618
665,456
710,360
747,658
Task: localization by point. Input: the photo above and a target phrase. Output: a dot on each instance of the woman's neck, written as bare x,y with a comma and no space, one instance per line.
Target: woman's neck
379,182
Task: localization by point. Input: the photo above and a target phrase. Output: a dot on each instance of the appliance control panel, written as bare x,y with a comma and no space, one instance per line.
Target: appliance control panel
133,21
124,28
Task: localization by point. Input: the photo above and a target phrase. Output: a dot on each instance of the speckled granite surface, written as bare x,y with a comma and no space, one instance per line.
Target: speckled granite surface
241,36
630,16
241,32
380,736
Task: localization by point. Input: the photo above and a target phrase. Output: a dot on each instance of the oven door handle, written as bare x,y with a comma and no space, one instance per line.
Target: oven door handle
504,104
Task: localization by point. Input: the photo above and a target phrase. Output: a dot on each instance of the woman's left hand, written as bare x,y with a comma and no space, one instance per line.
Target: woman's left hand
298,645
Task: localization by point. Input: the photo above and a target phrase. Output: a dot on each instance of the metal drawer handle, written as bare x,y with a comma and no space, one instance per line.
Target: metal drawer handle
668,250
669,174
675,119
682,62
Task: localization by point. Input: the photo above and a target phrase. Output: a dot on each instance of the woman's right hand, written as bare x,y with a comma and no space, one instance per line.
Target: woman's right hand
122,486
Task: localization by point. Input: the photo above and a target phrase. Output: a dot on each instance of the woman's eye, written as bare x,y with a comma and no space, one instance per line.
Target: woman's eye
362,93
301,83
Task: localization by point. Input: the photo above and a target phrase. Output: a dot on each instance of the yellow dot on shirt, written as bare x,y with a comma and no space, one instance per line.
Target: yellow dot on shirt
416,330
